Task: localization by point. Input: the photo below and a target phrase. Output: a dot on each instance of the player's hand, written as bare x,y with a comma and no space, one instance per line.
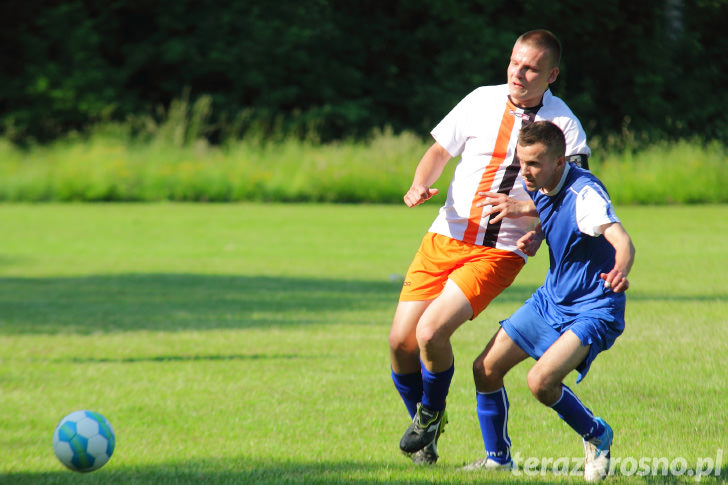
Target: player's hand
530,242
501,204
615,280
418,193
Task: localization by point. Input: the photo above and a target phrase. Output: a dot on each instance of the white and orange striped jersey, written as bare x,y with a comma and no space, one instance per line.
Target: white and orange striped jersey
483,129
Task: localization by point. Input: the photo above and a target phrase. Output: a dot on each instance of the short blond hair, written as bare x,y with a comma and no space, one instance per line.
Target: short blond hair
544,39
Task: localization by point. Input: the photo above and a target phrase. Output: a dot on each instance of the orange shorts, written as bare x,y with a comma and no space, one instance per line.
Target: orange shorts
482,273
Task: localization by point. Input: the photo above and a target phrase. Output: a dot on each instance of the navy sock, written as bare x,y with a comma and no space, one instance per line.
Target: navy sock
493,418
436,386
409,387
576,415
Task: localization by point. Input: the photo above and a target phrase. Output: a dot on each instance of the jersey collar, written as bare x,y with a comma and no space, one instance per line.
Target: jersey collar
534,109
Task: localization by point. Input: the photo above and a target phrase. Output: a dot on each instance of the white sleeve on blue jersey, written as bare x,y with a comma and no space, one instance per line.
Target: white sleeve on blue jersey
593,210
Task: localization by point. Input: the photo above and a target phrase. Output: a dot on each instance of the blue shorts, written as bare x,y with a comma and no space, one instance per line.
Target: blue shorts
534,334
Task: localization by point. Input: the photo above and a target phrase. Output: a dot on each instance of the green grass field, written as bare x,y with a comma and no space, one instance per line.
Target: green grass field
247,343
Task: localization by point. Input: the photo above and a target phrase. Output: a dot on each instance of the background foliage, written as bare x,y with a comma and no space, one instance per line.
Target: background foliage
340,68
108,167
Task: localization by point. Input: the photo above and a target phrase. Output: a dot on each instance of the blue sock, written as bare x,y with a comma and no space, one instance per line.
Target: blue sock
493,417
436,386
409,387
576,415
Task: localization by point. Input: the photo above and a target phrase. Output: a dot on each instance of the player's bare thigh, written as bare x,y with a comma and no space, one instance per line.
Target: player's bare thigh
499,356
562,357
403,348
420,328
444,315
441,319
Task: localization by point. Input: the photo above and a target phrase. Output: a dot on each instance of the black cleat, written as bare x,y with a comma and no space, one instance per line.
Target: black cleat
425,429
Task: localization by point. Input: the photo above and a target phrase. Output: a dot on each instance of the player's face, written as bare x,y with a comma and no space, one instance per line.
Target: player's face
529,74
540,169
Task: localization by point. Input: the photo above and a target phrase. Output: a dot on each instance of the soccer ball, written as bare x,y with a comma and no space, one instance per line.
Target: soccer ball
84,441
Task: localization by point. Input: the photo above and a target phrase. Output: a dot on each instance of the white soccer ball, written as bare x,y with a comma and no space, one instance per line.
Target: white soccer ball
84,441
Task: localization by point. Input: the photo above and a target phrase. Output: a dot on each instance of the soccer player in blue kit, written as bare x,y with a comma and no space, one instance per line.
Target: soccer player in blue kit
577,313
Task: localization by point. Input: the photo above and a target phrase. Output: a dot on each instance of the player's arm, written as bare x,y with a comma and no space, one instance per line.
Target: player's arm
427,172
531,241
616,279
577,149
505,206
580,159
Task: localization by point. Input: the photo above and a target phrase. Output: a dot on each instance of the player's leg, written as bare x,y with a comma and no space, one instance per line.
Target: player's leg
562,357
489,368
483,275
439,321
437,324
423,283
499,356
405,354
479,275
545,381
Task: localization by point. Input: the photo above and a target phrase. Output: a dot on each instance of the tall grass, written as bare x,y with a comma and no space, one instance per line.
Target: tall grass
104,168
683,172
144,160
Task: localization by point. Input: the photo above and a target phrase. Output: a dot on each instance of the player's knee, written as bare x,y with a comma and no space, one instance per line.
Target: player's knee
428,336
402,333
480,374
486,377
402,344
537,387
541,386
480,371
424,333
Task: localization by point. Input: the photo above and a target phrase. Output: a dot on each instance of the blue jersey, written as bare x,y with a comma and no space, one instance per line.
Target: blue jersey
571,218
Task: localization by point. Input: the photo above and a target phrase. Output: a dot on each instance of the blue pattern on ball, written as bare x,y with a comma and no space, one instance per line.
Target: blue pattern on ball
73,437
